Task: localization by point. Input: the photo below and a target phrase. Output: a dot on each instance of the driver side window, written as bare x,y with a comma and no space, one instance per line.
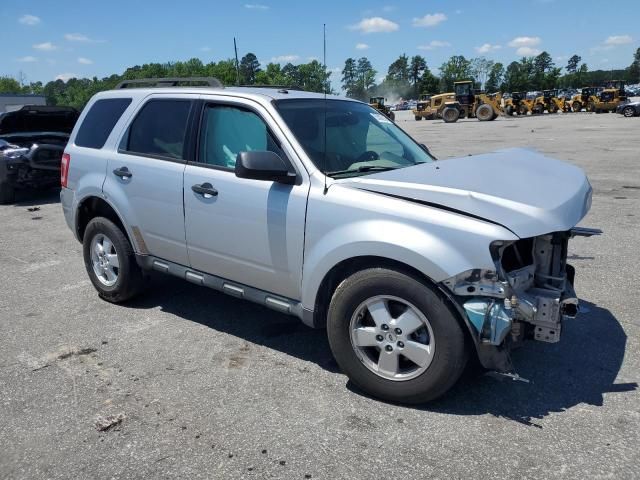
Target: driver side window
229,130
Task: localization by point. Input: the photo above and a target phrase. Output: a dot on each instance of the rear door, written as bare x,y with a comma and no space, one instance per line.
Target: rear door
250,231
144,178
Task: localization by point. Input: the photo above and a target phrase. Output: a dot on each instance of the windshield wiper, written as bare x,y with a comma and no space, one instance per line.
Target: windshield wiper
362,168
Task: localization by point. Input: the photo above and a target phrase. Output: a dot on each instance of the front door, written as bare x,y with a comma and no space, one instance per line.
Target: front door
247,231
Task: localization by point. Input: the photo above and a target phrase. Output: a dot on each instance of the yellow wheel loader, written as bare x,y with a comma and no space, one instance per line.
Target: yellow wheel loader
581,100
549,101
472,104
430,107
605,101
512,104
379,104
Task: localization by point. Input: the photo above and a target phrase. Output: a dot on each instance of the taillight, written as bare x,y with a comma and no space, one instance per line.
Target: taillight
64,169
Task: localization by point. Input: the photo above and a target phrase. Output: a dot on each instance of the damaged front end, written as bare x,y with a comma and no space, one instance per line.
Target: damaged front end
528,295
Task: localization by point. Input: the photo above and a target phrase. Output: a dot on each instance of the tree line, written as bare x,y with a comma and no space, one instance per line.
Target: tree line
406,77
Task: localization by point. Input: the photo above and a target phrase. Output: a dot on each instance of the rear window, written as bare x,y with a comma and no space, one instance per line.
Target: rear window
159,129
99,122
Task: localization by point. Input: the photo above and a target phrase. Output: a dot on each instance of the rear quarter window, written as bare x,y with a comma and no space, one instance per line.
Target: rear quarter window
99,121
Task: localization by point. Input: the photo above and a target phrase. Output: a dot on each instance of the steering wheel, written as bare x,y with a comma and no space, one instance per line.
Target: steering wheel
368,156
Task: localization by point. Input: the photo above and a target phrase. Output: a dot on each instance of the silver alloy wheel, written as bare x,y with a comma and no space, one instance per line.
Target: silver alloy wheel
104,259
628,112
392,338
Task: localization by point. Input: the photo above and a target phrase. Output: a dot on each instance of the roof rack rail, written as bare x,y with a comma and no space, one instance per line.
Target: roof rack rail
170,82
279,87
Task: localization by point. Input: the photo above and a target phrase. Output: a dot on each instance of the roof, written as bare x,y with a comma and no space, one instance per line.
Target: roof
256,93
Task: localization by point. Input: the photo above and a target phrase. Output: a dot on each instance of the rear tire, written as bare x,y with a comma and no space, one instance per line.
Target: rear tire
509,110
418,118
450,114
402,305
628,112
523,110
7,193
484,113
110,261
576,107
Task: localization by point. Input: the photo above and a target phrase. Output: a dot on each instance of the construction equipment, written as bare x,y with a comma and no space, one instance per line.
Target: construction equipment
430,107
581,100
512,104
605,101
549,101
617,85
472,104
379,104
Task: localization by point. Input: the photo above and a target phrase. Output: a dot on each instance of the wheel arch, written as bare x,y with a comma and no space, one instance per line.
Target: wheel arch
347,267
93,206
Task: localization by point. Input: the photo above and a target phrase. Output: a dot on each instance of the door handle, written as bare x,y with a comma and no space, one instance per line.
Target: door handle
122,172
205,189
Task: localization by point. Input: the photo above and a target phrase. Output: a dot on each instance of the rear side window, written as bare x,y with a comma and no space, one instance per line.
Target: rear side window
99,122
159,129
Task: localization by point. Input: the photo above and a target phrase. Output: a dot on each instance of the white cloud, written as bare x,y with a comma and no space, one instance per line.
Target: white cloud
433,44
84,61
618,40
311,59
487,47
66,76
79,37
27,59
256,6
30,20
45,47
429,20
528,51
361,46
525,42
375,25
285,59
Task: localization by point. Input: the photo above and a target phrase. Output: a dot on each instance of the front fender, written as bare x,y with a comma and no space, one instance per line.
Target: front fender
403,243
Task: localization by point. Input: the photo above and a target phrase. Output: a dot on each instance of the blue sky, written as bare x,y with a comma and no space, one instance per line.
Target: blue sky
46,39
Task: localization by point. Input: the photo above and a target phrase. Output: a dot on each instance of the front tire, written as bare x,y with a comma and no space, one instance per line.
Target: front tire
628,112
110,261
395,337
450,114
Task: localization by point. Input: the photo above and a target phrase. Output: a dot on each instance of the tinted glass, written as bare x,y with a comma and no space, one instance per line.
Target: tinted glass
358,138
99,122
159,129
228,131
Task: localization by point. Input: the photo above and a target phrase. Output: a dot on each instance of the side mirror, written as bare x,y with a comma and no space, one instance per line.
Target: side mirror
263,165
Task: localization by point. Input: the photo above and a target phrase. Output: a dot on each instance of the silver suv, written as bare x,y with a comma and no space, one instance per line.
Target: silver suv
326,210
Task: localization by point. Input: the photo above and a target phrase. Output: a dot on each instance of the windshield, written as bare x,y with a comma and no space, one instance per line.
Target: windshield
359,138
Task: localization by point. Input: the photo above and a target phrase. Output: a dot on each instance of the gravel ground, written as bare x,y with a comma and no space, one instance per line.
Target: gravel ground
208,386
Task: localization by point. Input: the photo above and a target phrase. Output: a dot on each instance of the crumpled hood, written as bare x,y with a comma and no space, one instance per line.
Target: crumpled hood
520,189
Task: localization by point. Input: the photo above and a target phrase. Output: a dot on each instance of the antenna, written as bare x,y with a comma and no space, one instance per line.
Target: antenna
235,48
324,88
